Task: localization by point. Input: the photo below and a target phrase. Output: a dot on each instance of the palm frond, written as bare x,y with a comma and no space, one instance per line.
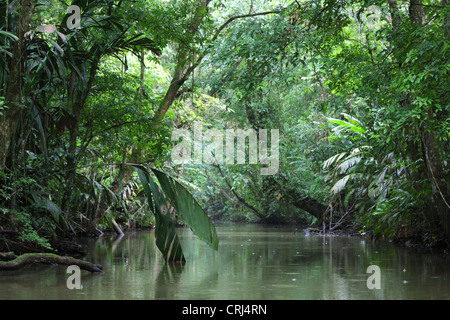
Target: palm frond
171,194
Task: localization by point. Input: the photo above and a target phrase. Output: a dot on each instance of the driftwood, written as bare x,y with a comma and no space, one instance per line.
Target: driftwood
16,262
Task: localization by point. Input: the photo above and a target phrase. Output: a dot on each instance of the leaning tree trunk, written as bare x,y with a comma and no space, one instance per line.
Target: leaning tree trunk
182,72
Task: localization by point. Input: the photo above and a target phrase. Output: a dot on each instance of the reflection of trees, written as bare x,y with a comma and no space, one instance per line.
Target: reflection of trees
256,262
167,282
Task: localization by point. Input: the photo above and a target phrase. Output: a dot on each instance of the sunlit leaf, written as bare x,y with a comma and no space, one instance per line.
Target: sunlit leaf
349,163
333,159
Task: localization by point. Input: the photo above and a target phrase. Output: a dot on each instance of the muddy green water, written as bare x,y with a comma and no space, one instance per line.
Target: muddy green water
253,262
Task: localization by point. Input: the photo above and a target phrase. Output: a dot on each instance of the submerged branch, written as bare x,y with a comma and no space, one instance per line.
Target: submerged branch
18,262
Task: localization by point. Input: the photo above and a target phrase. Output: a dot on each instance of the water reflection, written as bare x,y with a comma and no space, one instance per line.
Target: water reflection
253,262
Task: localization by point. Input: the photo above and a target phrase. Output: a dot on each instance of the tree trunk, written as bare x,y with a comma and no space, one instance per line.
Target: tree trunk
13,97
77,107
142,73
181,73
393,9
222,191
445,3
416,12
115,226
47,258
439,210
177,81
310,205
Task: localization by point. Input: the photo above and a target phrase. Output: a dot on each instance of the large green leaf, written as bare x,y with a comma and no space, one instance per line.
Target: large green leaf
188,209
9,34
167,239
352,124
172,195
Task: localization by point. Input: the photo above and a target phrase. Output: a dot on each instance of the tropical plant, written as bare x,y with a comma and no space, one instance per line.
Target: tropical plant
167,199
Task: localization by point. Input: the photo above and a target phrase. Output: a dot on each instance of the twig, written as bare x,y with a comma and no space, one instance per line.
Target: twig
259,214
339,222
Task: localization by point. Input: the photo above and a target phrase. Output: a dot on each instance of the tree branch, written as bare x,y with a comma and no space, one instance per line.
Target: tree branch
223,26
48,258
179,78
226,195
245,203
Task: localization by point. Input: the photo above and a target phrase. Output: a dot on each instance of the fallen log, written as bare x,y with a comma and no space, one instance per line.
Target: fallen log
7,256
18,262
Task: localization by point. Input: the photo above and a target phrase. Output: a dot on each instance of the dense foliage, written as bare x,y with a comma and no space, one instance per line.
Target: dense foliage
357,89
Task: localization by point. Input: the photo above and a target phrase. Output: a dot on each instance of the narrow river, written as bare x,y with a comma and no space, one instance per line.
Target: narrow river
253,262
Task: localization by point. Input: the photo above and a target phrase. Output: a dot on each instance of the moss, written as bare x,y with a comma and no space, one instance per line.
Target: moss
49,258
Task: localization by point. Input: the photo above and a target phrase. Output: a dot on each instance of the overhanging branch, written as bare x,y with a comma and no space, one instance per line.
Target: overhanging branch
180,77
241,200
